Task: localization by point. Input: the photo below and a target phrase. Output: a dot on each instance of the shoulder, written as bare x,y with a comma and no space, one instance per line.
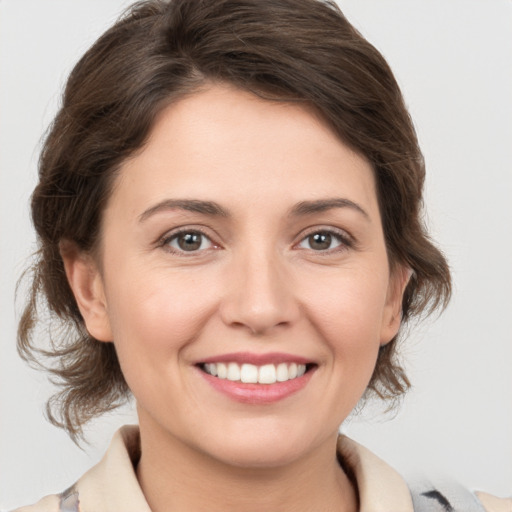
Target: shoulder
64,502
47,504
448,495
494,504
109,486
382,489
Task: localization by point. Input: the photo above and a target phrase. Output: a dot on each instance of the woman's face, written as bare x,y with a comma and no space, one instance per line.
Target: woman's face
244,278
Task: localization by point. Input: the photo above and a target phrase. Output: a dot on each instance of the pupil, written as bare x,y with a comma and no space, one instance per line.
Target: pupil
189,241
320,241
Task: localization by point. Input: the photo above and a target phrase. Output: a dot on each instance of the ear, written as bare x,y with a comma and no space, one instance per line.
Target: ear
392,315
86,282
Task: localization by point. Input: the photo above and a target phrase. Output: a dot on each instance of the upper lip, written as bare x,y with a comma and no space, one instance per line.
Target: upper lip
256,359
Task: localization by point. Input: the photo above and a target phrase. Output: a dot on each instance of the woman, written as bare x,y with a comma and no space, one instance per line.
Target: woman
228,213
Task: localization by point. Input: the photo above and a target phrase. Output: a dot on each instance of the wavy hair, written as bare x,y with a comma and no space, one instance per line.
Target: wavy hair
158,52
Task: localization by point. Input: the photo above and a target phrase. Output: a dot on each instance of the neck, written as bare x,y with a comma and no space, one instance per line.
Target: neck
176,477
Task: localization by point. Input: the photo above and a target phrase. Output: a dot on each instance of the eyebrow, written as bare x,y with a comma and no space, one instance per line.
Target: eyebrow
213,208
191,205
322,205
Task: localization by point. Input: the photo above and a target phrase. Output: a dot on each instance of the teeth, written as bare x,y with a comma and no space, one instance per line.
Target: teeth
211,369
248,373
222,371
252,374
233,371
267,374
282,372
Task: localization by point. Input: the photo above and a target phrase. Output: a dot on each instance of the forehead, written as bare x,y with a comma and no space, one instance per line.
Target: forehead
232,146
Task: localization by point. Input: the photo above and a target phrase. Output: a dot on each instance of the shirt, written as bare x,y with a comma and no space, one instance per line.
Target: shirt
112,486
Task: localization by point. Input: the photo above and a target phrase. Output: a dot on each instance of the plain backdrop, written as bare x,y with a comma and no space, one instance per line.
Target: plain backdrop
453,59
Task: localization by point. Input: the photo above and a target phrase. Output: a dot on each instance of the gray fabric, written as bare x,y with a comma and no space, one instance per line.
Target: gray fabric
69,501
428,496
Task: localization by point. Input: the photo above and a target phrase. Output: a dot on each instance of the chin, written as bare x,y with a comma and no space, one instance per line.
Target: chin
257,456
264,447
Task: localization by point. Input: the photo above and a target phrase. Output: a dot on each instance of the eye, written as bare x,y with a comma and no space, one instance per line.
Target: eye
187,241
324,240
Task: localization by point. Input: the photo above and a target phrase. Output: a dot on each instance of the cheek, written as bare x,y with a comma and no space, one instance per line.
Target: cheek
348,312
156,315
153,322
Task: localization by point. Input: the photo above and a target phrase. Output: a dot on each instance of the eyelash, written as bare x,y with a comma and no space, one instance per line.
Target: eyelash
345,241
166,240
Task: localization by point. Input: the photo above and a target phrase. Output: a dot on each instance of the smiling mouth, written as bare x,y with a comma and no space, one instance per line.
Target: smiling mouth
252,374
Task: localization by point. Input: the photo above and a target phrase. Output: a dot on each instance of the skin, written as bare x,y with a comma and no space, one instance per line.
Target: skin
257,283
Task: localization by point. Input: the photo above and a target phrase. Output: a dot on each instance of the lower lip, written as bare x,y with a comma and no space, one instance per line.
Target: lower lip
257,393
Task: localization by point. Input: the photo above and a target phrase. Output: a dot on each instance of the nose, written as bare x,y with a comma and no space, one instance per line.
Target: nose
260,294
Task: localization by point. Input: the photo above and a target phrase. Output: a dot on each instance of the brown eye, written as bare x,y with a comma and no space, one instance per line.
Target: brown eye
189,241
322,241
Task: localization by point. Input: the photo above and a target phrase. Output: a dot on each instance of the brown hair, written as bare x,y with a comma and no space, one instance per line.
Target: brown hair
159,51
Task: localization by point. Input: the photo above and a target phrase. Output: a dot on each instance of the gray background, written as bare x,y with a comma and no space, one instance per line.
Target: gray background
453,59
